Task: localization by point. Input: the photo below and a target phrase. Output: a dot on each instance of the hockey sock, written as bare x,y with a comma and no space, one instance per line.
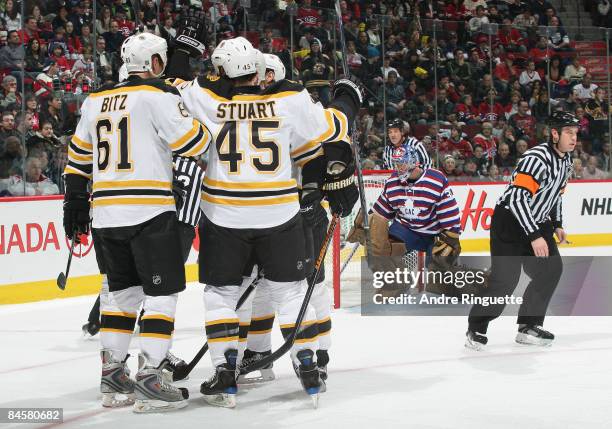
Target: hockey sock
118,317
244,316
157,326
322,304
288,297
221,320
262,320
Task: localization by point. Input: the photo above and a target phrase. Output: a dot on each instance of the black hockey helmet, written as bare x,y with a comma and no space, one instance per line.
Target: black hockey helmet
560,119
396,123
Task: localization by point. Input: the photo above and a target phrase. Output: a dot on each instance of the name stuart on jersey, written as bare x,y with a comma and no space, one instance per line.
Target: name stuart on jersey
246,111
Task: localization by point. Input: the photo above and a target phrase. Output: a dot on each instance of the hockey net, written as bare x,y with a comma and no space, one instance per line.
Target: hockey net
343,259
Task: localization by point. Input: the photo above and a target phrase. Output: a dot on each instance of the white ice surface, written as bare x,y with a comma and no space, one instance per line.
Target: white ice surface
385,372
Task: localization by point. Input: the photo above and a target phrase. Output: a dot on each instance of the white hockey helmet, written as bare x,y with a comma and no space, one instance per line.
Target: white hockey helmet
236,57
274,63
261,65
137,50
123,73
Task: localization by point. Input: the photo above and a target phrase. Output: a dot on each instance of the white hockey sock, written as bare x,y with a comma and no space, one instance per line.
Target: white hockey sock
157,327
119,311
244,316
221,320
322,303
262,320
289,296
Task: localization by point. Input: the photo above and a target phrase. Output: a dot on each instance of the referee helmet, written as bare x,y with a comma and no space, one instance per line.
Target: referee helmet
560,119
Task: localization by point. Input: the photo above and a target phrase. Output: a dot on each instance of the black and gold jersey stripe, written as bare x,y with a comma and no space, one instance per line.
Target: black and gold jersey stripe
192,143
249,193
132,192
80,158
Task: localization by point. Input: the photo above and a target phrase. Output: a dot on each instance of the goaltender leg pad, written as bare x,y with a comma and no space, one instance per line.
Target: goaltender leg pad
225,254
281,251
158,256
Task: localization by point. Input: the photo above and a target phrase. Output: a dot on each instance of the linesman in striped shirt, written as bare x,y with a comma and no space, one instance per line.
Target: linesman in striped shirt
395,132
525,221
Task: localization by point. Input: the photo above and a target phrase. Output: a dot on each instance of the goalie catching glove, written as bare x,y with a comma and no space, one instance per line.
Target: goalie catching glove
191,32
446,249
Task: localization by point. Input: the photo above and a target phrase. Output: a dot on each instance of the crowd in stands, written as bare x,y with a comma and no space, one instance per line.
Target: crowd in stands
474,80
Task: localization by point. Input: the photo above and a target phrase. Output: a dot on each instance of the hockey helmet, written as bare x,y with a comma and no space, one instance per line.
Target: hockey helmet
236,57
404,160
396,123
560,119
137,51
276,65
123,73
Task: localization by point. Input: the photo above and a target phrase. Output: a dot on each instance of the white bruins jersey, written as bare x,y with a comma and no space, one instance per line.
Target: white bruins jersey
256,140
124,142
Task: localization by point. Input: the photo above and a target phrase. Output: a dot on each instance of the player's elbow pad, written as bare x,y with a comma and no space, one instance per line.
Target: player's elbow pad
338,152
312,171
178,66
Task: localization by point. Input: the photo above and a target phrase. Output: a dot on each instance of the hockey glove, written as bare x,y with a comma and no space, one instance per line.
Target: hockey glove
340,189
351,86
191,32
446,249
179,192
310,198
76,214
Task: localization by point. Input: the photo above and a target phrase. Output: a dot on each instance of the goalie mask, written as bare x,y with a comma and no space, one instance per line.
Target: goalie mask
404,161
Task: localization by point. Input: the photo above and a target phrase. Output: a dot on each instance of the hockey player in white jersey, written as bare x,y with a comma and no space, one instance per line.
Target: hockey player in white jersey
124,144
260,320
250,201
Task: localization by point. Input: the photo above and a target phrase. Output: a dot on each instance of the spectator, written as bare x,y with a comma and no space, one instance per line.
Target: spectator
11,16
15,152
449,164
307,16
540,52
541,107
521,148
36,183
12,56
525,20
10,92
460,70
104,62
529,75
418,110
58,56
72,40
455,10
470,171
61,19
493,173
44,139
585,90
602,16
5,176
546,18
598,113
480,159
503,159
490,110
484,88
103,23
506,70
34,60
31,106
466,111
604,158
583,130
113,38
126,26
478,19
557,37
486,140
510,38
445,107
394,93
7,128
570,103
53,113
578,169
386,68
574,71
30,31
524,123
456,145
591,171
43,86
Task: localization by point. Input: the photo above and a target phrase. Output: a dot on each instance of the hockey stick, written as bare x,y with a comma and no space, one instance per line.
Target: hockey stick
345,263
63,278
354,144
258,364
182,372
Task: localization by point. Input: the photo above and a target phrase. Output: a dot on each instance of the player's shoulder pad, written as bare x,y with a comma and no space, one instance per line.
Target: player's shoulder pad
220,86
284,85
103,88
153,83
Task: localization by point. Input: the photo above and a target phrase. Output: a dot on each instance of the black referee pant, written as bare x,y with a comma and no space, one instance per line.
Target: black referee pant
510,251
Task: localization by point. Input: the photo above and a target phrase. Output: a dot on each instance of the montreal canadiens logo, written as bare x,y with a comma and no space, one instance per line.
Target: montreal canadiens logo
83,248
399,152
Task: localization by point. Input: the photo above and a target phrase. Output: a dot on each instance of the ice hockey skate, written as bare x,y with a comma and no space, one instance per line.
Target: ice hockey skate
172,364
221,389
534,335
475,341
153,393
259,376
322,361
308,373
116,385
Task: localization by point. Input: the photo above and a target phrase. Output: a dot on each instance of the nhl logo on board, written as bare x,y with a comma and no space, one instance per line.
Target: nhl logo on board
300,265
156,279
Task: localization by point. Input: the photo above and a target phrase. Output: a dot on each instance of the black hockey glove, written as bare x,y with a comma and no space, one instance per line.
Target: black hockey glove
191,32
76,214
340,189
351,86
310,198
179,192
